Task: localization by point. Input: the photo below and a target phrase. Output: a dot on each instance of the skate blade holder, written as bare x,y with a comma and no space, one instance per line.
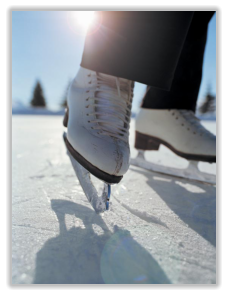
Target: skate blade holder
100,202
192,172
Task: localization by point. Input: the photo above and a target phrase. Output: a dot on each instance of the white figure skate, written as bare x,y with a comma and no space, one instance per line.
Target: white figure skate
181,132
97,118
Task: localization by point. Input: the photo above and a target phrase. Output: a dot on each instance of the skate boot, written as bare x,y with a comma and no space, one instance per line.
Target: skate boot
97,121
182,133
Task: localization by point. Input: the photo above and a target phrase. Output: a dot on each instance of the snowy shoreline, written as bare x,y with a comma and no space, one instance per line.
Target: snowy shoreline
48,112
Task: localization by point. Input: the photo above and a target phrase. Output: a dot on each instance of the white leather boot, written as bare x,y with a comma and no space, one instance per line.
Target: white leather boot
179,130
97,118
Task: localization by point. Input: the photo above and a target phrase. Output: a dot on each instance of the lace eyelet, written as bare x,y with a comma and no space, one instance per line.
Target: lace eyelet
90,82
87,91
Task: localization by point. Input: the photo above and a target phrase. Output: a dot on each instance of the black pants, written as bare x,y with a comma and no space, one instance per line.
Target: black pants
187,78
153,48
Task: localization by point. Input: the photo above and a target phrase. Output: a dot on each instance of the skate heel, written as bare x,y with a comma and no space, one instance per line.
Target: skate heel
65,119
146,142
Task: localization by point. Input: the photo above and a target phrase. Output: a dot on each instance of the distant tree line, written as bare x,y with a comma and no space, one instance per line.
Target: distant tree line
64,101
209,103
38,99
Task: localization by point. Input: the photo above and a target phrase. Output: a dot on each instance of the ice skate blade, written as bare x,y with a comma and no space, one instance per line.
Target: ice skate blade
191,172
99,203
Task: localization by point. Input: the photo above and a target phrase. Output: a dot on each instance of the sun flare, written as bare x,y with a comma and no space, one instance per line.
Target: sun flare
83,18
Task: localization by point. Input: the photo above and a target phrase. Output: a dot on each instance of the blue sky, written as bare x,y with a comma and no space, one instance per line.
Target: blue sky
44,47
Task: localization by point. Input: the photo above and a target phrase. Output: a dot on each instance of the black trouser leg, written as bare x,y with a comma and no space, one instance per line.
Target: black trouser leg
142,46
187,78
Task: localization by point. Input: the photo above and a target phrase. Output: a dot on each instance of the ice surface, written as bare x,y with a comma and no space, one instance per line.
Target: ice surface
159,229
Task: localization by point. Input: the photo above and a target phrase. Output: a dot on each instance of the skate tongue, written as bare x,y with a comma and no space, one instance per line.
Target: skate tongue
194,121
107,106
112,79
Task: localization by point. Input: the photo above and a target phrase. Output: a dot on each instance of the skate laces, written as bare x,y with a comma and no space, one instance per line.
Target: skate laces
112,105
195,122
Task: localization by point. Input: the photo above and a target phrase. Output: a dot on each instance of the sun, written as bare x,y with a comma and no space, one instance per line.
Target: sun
84,22
83,19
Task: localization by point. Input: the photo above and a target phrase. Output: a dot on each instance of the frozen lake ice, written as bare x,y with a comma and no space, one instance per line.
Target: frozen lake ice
160,229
